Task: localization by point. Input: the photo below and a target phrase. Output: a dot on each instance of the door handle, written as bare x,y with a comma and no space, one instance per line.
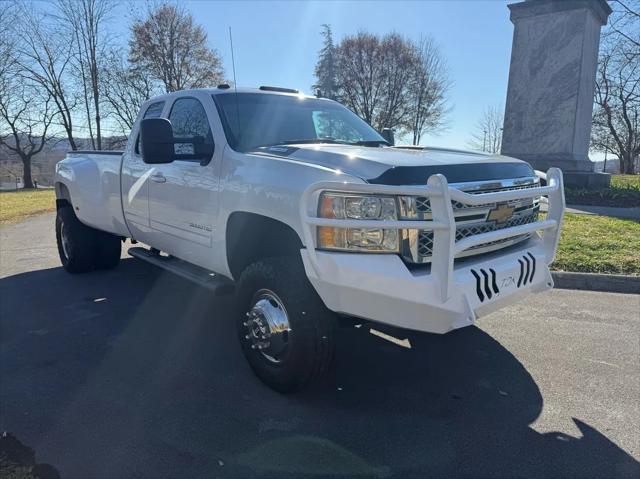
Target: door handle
158,178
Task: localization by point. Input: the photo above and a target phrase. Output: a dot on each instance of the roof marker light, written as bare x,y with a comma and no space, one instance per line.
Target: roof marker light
278,89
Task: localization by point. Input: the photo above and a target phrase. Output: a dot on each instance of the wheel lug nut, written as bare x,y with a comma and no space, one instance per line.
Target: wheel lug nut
253,346
246,336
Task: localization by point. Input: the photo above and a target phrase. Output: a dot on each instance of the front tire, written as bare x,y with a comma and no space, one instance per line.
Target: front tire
82,248
285,330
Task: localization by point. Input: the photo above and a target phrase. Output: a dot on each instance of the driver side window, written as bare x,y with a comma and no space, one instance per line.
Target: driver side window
189,119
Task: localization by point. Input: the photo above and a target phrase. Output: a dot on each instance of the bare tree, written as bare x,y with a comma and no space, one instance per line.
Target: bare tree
428,87
171,48
7,40
616,117
24,123
86,22
398,60
41,57
392,82
125,90
368,68
359,75
488,133
624,21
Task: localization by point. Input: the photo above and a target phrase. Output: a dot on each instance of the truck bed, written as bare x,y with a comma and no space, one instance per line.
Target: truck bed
95,175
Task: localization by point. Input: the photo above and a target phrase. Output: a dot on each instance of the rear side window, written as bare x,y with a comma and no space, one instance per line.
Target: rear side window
153,111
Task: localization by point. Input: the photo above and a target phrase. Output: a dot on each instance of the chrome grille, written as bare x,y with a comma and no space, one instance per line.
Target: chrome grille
470,219
423,205
425,238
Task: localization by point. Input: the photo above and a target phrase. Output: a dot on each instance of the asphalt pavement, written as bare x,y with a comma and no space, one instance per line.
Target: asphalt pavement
137,373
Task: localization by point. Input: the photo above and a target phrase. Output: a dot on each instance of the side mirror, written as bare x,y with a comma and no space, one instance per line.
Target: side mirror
387,134
156,135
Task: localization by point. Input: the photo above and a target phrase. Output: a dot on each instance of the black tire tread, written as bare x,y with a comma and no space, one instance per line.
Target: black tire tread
91,249
109,250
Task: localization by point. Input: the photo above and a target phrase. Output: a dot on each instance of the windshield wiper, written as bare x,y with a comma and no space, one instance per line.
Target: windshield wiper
370,143
332,141
306,141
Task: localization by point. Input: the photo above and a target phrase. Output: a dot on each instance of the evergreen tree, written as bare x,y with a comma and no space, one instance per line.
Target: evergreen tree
326,74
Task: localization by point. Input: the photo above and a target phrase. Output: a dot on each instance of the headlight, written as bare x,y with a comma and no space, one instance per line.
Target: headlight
357,207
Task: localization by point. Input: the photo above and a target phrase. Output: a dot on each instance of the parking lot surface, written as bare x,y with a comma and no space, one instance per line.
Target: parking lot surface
137,373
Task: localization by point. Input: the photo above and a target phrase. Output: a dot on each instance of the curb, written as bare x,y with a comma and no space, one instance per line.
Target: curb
611,283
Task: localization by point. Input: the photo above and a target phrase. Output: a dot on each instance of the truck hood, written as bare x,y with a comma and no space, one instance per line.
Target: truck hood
397,166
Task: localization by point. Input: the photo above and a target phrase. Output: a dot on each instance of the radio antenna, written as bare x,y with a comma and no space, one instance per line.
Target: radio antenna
235,84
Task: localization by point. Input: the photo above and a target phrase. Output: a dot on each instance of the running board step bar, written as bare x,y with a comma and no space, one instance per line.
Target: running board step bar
202,277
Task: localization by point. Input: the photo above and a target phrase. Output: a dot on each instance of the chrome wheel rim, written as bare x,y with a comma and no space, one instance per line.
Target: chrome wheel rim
268,327
64,239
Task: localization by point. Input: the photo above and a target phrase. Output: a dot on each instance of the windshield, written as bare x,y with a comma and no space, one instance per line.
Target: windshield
252,120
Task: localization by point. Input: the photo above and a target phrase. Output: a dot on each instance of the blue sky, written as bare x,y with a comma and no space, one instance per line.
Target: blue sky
276,43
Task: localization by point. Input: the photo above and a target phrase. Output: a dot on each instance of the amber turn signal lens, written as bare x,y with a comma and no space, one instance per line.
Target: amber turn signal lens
325,237
326,207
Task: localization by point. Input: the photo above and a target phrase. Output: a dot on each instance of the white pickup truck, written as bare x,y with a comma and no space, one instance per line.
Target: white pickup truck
314,216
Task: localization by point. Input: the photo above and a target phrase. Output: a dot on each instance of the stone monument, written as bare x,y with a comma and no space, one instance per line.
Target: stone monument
551,84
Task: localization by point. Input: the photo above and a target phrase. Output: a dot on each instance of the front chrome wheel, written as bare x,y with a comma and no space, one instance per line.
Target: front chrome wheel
268,326
285,330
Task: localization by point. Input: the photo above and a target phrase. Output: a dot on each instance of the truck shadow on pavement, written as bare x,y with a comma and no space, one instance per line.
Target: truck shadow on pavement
135,372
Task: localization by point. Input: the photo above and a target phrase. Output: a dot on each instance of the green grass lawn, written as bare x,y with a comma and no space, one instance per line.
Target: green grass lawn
624,192
599,244
18,205
626,181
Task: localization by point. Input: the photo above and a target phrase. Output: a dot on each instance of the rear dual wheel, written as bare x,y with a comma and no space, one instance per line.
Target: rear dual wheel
82,248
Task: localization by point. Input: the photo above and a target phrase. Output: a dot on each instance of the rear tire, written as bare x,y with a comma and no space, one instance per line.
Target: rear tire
109,250
82,248
277,291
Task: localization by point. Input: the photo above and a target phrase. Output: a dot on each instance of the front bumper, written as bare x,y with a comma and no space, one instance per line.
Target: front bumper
450,293
381,288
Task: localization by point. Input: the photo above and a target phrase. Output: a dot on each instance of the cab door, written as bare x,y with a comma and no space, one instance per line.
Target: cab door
183,195
135,179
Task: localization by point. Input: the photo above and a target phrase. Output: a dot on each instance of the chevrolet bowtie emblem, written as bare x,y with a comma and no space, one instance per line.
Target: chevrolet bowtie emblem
501,213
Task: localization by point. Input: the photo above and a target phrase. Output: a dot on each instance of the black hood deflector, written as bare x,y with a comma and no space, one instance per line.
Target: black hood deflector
465,173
